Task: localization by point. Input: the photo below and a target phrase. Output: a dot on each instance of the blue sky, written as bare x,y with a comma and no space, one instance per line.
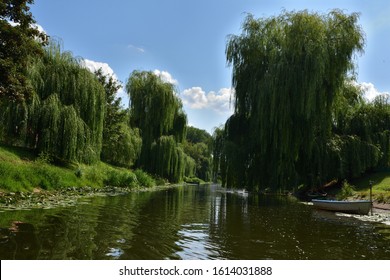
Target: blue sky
184,42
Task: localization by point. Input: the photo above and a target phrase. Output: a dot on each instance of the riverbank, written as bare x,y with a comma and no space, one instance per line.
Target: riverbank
30,181
63,197
359,188
23,171
380,188
27,180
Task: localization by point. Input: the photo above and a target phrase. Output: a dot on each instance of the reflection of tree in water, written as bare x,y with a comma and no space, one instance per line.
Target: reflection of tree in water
56,234
19,241
159,220
252,227
187,222
154,230
56,243
114,232
69,234
277,227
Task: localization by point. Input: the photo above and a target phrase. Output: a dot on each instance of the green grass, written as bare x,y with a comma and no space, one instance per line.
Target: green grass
380,189
21,170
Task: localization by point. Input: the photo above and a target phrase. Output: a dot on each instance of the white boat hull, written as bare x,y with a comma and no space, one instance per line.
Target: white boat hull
361,207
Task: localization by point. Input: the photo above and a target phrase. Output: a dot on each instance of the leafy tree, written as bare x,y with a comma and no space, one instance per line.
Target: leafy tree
195,135
198,145
121,144
368,122
20,40
219,155
64,115
157,111
287,71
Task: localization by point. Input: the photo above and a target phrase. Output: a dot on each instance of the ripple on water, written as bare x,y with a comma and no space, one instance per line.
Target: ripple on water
194,242
114,253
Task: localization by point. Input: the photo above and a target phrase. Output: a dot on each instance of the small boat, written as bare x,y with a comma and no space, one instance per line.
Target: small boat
361,207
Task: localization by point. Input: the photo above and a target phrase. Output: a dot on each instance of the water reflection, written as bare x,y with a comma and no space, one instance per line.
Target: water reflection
189,222
194,243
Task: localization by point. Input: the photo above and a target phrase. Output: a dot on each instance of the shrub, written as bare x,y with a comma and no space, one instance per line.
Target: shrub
144,179
78,172
347,190
95,175
160,181
193,180
120,178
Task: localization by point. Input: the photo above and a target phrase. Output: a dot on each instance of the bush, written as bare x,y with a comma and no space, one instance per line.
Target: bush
193,180
120,178
347,190
95,175
78,173
44,157
160,181
144,178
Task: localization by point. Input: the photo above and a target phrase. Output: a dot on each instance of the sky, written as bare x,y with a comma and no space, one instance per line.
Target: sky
184,41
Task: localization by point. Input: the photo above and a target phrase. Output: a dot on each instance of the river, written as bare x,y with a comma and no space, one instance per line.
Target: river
189,222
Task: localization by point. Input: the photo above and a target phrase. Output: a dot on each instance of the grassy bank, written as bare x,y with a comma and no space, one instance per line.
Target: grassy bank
21,171
360,188
380,189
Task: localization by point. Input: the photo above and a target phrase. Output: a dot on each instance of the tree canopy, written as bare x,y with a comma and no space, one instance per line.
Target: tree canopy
64,115
287,72
121,144
198,145
20,40
157,111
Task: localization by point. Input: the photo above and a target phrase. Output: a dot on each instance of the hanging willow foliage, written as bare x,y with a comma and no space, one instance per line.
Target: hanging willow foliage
370,121
287,71
157,112
64,117
219,155
169,160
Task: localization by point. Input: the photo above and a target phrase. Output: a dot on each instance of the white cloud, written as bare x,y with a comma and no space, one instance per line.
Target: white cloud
166,77
94,66
196,98
34,26
107,71
370,92
39,27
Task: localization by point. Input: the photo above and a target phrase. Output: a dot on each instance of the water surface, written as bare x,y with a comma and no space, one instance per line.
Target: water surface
189,222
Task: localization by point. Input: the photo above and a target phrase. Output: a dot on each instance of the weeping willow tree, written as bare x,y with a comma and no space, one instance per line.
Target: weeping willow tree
170,161
64,116
368,122
219,167
287,71
157,112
